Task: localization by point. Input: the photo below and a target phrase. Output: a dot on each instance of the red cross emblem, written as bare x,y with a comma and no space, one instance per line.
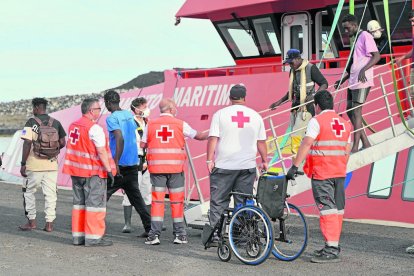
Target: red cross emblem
74,136
240,119
337,127
165,134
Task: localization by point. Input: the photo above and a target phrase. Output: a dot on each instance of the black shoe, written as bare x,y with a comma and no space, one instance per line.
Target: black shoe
326,258
327,249
143,235
102,242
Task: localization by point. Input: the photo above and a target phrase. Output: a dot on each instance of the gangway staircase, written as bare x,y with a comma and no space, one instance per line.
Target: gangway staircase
392,139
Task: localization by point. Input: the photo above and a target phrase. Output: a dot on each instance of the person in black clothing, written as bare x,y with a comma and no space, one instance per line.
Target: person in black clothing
141,113
303,76
123,145
375,29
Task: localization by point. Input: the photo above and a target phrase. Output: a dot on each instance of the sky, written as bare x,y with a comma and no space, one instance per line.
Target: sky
58,47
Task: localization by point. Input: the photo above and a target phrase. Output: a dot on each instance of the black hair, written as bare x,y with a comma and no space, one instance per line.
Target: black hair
323,99
350,18
40,103
138,102
87,103
111,96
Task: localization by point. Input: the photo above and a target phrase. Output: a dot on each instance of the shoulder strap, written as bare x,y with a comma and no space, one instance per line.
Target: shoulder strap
38,121
50,123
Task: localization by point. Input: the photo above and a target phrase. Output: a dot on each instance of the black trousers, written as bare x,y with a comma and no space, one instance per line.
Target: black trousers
129,183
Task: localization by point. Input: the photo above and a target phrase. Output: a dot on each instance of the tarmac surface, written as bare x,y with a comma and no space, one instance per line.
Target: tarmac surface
366,249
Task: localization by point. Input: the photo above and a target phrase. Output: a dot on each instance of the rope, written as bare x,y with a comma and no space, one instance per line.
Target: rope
394,79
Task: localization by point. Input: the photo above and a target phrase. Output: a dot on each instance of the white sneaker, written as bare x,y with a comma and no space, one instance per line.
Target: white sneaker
152,240
180,239
410,249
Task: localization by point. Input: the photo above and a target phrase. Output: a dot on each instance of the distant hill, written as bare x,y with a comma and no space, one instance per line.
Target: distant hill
14,114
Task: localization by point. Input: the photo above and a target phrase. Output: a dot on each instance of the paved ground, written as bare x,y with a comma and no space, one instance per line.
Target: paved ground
367,249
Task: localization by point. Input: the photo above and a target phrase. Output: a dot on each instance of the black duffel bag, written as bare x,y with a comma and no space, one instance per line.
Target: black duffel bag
271,194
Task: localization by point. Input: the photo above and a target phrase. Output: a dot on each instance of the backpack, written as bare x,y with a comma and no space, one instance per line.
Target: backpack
47,144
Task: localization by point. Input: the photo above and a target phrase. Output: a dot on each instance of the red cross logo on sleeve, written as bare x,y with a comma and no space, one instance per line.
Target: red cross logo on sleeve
337,127
240,119
74,136
164,134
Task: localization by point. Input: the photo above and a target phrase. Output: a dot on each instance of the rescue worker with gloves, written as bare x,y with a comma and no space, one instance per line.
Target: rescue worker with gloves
326,148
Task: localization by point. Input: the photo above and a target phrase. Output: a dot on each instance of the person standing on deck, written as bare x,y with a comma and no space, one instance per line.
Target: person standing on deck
326,149
303,76
360,75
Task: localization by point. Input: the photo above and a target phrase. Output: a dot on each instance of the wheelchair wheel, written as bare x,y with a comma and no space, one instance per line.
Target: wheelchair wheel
291,234
224,252
250,235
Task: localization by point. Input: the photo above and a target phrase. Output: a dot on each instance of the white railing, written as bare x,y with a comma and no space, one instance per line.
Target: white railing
274,129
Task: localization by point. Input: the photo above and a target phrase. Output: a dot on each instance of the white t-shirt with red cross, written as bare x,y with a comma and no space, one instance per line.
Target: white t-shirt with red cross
238,129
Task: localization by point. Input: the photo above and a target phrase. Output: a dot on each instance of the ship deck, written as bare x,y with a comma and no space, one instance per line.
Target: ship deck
366,249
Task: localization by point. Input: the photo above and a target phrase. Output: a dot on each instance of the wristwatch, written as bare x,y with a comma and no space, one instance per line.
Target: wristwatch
23,164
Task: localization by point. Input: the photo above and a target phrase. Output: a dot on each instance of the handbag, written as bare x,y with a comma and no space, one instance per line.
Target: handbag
271,194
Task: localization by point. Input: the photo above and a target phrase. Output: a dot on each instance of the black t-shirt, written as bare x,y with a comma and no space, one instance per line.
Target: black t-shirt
45,120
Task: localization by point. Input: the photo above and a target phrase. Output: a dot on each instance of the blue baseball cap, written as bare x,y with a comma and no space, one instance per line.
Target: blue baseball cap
291,55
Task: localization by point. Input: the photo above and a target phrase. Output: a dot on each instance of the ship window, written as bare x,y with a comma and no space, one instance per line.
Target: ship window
382,175
250,37
408,188
267,36
240,42
296,37
399,14
359,9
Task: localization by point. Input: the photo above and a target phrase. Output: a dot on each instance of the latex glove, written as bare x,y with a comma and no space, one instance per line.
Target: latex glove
110,180
291,173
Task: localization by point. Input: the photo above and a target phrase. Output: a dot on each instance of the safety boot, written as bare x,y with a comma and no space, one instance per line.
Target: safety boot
48,227
31,224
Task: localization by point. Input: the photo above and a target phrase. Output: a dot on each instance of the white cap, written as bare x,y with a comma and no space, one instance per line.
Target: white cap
373,26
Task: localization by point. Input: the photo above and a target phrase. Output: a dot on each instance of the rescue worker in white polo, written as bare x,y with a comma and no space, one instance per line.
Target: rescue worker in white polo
88,162
326,147
302,78
164,140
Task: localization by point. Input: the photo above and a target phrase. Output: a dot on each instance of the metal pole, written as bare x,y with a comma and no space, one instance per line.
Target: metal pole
272,128
407,95
190,160
387,105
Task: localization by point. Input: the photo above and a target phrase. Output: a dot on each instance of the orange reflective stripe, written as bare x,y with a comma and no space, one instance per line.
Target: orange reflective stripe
157,205
340,221
94,223
78,219
330,229
177,204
